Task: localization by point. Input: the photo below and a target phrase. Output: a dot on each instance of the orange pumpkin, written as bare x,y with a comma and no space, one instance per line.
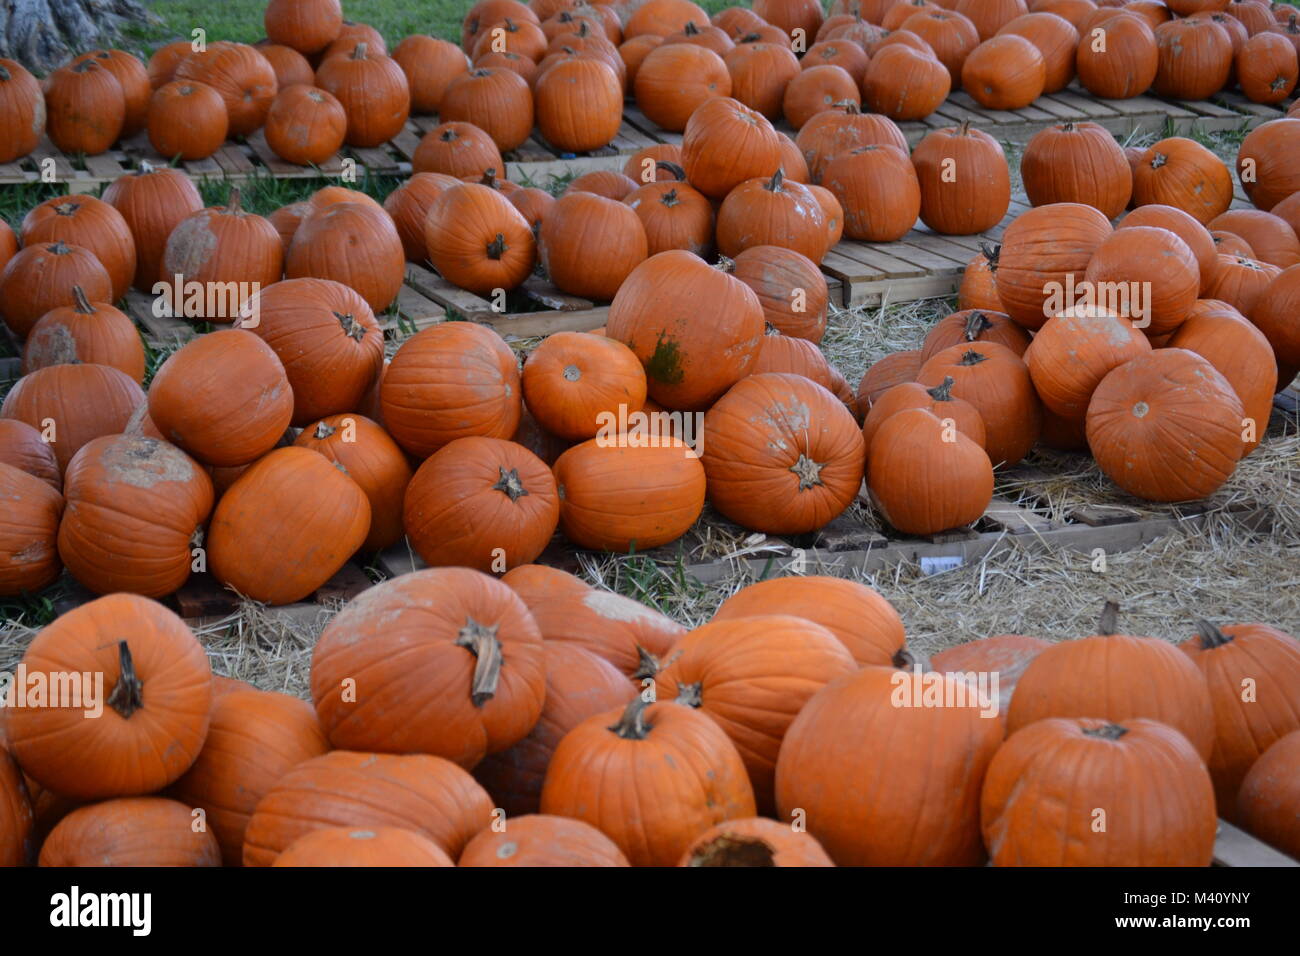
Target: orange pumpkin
244,78
1074,351
92,224
21,446
755,842
152,201
354,244
978,198
879,190
22,103
573,379
85,108
372,90
133,831
29,557
676,78
187,120
85,332
349,846
477,239
497,100
42,276
537,840
306,125
773,212
759,73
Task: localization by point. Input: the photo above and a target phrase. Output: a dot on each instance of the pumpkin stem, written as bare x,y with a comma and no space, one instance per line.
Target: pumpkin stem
82,303
351,327
732,849
678,173
59,248
196,539
1109,623
447,135
509,484
691,29
943,391
490,178
774,184
323,431
481,641
977,323
84,66
964,128
690,695
670,199
5,74
497,247
991,251
809,472
67,208
907,659
1211,636
1158,160
632,725
1106,732
850,108
647,664
725,265
233,207
971,357
128,695
751,38
359,53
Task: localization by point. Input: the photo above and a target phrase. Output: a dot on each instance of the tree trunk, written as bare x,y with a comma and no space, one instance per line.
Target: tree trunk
43,34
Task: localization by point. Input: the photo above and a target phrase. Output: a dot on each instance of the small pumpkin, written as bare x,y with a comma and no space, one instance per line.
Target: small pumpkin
950,35
538,840
674,216
92,224
1265,152
153,201
1270,237
1275,314
1185,228
1195,58
883,374
974,325
187,120
1056,39
457,149
1043,251
579,105
832,132
84,332
291,67
726,143
816,89
1146,258
306,125
978,197
1242,283
938,401
131,831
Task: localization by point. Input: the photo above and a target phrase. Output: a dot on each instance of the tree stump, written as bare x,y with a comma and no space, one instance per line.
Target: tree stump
43,34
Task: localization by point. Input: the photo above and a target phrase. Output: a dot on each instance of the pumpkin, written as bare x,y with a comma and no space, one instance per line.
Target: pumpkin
155,715
1074,351
938,401
726,143
979,286
254,738
757,841
1241,353
187,120
1255,15
98,334
1006,72
1275,315
915,771
1193,233
1076,11
348,846
571,20
21,445
373,91
42,276
306,125
1226,244
1266,68
135,508
579,105
1264,152
487,13
162,64
842,53
354,244
1153,260
457,149
878,189
830,133
533,204
606,183
1004,655
1270,237
223,397
327,339
673,216
1077,163
29,557
524,37
759,74
974,200
997,382
91,224
990,16
1253,673
833,212
537,840
477,239
452,626
905,84
133,78
244,78
574,381
17,839
885,373
783,456
1055,38
1242,283
644,166
816,89
974,325
675,79
1195,58
307,26
585,43
689,362
72,404
1119,60
497,100
1130,792
950,35
22,105
1166,426
589,244
419,792
800,19
450,381
857,29
680,763
663,17
1043,251
85,108
752,676
291,67
132,831
1268,795
634,52
153,201
790,288
1184,174
430,65
788,355
352,33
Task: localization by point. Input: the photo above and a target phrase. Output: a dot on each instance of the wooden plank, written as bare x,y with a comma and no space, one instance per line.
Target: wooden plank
540,173
1235,847
163,331
346,584
104,167
541,291
876,256
1088,105
443,292
526,325
376,160
1006,514
274,164
418,310
399,559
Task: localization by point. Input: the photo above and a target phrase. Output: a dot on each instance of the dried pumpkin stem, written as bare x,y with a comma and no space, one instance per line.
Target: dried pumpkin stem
323,431
977,323
233,207
774,184
647,664
906,660
991,251
678,172
971,357
690,695
497,247
632,725
1106,732
82,304
481,641
128,695
509,484
1211,636
943,391
809,472
351,327
1109,622
359,52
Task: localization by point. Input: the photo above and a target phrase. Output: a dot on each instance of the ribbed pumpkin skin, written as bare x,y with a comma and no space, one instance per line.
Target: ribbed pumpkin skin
784,354
1150,783
23,104
615,498
978,198
273,543
85,108
1056,39
884,785
244,78
497,100
457,149
1267,799
790,288
979,287
352,244
352,846
950,35
905,83
152,201
574,378
29,527
1166,426
579,104
1195,59
752,676
1270,237
974,325
1266,68
1243,283
42,276
92,224
539,840
84,402
1182,173
430,64
772,211
1077,163
187,120
1045,245
689,362
883,374
447,382
1185,228
223,397
589,244
833,132
782,455
1153,259
615,628
1126,67
579,683
291,67
429,795
1233,659
1275,316
1268,149
22,447
94,333
677,78
133,831
1006,655
476,238
327,339
254,738
370,457
16,820
1074,351
1005,72
112,755
756,841
963,414
135,508
306,125
409,204
482,503
685,772
373,91
879,190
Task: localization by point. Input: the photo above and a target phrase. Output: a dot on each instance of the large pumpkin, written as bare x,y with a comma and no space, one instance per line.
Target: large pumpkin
157,694
676,78
132,831
1152,260
430,64
1074,351
579,104
726,143
1195,58
22,104
477,239
306,125
1186,228
1043,251
29,557
427,794
223,397
539,840
92,224
497,100
1166,426
353,244
1129,792
1265,153
964,180
85,108
790,288
574,382
772,212
1056,39
904,83
1006,72
153,201
1124,65
373,91
254,738
187,120
879,190
1182,173
1077,163
1004,655
1243,283
272,541
409,204
1267,799
42,277
589,244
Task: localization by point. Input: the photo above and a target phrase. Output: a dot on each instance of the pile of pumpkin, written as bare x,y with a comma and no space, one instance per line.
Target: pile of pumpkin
534,720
